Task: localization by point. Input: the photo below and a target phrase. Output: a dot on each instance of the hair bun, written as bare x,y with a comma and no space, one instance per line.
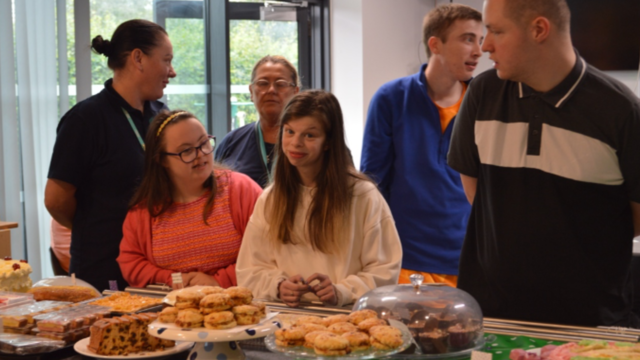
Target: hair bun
101,46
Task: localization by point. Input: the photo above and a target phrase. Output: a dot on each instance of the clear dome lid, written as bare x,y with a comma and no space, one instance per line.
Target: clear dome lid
442,319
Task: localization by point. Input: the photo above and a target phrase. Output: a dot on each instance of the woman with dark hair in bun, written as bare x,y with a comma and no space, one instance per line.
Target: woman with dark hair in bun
99,152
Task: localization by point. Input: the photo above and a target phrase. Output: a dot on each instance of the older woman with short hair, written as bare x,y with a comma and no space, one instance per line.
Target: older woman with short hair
249,149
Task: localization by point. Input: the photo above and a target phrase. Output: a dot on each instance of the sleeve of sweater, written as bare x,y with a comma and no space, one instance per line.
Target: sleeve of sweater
378,155
257,267
381,253
135,248
243,194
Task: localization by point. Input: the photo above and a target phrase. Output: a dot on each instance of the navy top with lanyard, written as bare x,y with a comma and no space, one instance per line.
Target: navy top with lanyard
245,151
100,150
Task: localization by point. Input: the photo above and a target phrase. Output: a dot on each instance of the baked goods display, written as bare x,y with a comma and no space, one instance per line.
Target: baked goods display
20,319
125,335
214,308
71,293
124,302
14,275
585,349
69,324
340,335
441,319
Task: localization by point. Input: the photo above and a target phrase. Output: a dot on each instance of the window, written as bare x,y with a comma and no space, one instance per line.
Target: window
297,30
216,43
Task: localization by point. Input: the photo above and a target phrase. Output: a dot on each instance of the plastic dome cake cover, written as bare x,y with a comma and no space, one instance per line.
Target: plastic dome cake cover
442,319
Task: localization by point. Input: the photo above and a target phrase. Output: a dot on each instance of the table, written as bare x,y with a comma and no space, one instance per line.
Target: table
500,348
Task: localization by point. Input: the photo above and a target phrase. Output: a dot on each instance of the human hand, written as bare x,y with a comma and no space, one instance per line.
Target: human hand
198,278
292,289
324,289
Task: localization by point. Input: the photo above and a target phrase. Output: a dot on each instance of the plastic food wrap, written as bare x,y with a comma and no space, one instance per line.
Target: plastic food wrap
27,344
9,299
22,315
71,318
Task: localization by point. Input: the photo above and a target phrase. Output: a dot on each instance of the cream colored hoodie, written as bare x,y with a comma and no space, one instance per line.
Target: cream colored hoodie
371,255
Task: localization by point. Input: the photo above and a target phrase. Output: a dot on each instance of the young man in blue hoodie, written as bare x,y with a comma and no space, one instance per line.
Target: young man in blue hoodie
406,141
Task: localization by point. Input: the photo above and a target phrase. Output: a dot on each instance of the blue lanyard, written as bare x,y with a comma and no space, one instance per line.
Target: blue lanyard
133,126
263,149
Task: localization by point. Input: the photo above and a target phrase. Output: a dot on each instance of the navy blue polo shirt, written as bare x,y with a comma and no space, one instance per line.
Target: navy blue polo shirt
240,150
550,233
97,151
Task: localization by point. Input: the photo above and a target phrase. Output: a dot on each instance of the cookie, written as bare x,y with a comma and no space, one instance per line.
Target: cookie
168,315
357,340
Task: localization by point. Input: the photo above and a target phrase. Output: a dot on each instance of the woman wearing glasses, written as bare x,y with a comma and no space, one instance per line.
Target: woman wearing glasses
249,149
188,215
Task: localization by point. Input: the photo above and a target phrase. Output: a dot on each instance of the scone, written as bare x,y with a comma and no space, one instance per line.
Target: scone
262,309
359,316
215,303
330,320
341,328
331,345
239,295
357,340
311,337
369,323
220,320
289,337
309,319
246,314
188,300
168,315
385,337
208,290
189,318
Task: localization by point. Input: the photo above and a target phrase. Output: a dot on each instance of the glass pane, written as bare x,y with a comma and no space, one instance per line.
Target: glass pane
71,53
105,18
187,90
250,40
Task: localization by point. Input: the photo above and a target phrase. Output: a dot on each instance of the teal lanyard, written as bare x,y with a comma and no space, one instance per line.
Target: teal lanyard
135,130
263,149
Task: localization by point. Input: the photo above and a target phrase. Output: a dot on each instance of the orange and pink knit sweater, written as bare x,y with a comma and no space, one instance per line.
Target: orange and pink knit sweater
179,240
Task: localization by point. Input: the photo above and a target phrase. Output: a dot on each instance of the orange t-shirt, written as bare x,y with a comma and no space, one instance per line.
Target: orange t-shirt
446,114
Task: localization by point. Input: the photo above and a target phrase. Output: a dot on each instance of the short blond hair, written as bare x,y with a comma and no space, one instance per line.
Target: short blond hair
438,21
523,11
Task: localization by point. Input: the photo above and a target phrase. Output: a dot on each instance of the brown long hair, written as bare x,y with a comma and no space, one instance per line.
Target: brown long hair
333,195
155,191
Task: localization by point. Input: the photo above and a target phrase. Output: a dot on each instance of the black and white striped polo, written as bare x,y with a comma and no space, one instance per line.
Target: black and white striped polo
550,233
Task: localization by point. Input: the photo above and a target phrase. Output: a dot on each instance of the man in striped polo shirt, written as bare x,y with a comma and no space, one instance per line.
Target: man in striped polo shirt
549,152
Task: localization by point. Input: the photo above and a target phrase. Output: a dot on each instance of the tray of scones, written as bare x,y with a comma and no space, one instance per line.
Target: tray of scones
359,335
213,313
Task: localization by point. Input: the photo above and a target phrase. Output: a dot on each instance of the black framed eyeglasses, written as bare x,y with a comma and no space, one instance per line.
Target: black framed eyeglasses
190,154
279,85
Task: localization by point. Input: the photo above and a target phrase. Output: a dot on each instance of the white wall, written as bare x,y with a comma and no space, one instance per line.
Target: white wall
373,42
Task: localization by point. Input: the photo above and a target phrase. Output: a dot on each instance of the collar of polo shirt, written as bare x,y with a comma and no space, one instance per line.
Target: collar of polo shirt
563,91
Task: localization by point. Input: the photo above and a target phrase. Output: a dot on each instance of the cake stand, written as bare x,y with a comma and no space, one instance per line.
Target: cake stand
215,344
